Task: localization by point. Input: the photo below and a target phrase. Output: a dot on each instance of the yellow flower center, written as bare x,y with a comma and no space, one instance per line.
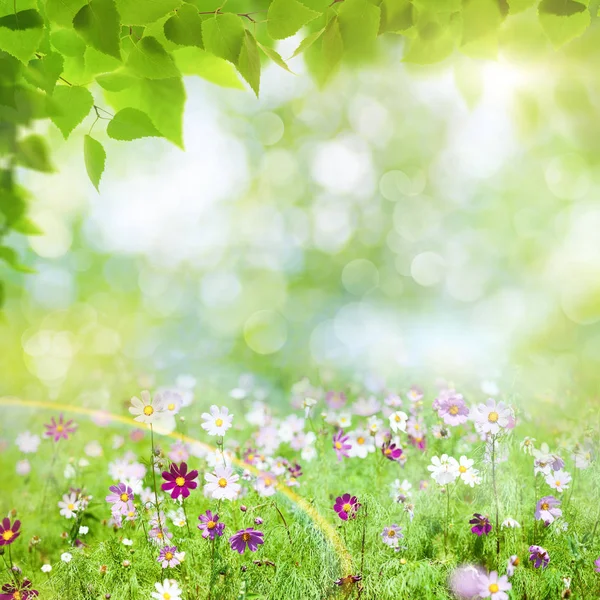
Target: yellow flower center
397,418
387,451
218,422
148,410
493,417
545,506
130,513
124,497
171,406
59,428
180,481
391,533
453,410
7,535
557,483
268,481
462,469
211,525
70,506
494,588
360,441
159,535
527,442
168,555
245,536
222,482
347,507
17,595
338,446
250,457
166,596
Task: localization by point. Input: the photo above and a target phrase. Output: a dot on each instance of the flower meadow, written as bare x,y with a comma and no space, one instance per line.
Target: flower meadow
349,491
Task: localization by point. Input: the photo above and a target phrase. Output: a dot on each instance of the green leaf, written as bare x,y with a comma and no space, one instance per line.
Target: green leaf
249,62
75,103
397,16
307,42
185,28
117,81
2,294
10,256
67,42
27,227
149,59
162,99
62,12
274,56
142,12
99,25
285,17
131,124
359,26
21,33
32,153
194,61
563,20
324,59
44,72
95,159
223,36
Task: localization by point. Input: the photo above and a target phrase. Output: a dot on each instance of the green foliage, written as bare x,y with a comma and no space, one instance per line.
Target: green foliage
131,124
95,159
53,52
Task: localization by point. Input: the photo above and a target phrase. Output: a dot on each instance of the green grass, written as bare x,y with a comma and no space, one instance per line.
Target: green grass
307,567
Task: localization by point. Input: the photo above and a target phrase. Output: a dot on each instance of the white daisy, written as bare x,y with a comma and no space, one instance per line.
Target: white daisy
559,480
444,469
398,421
361,442
167,590
222,484
28,442
218,421
147,409
509,522
491,417
69,505
467,473
400,488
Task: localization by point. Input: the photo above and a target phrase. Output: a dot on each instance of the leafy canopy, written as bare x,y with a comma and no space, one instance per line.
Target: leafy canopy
120,63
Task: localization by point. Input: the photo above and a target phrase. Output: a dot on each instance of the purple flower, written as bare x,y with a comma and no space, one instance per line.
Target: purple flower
169,557
346,506
547,509
60,430
465,581
22,590
121,498
392,535
539,557
210,525
341,445
295,470
453,410
9,533
179,481
597,563
335,400
481,524
246,537
391,451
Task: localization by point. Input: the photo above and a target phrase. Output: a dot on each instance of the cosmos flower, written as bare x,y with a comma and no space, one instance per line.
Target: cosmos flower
27,442
539,557
147,409
481,524
218,421
558,480
597,565
443,469
547,509
60,430
453,410
346,506
512,564
391,451
171,401
392,535
492,417
265,484
508,522
361,442
210,525
494,587
222,484
340,444
398,421
468,474
400,488
178,481
121,498
527,445
9,533
169,557
465,581
168,590
250,538
18,590
69,505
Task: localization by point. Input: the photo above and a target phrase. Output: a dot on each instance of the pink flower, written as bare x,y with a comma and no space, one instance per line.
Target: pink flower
60,430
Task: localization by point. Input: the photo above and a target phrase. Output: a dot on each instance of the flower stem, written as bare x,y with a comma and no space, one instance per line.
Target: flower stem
447,521
154,479
495,497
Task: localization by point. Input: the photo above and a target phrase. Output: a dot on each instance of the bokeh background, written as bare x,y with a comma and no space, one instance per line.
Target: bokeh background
404,220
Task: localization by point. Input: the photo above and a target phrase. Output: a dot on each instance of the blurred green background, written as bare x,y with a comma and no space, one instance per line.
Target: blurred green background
405,220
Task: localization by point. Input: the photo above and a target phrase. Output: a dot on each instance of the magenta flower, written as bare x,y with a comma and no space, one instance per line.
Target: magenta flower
169,557
178,481
539,557
597,563
249,537
16,590
453,410
121,498
346,506
210,525
481,524
9,533
391,451
61,429
547,509
341,445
